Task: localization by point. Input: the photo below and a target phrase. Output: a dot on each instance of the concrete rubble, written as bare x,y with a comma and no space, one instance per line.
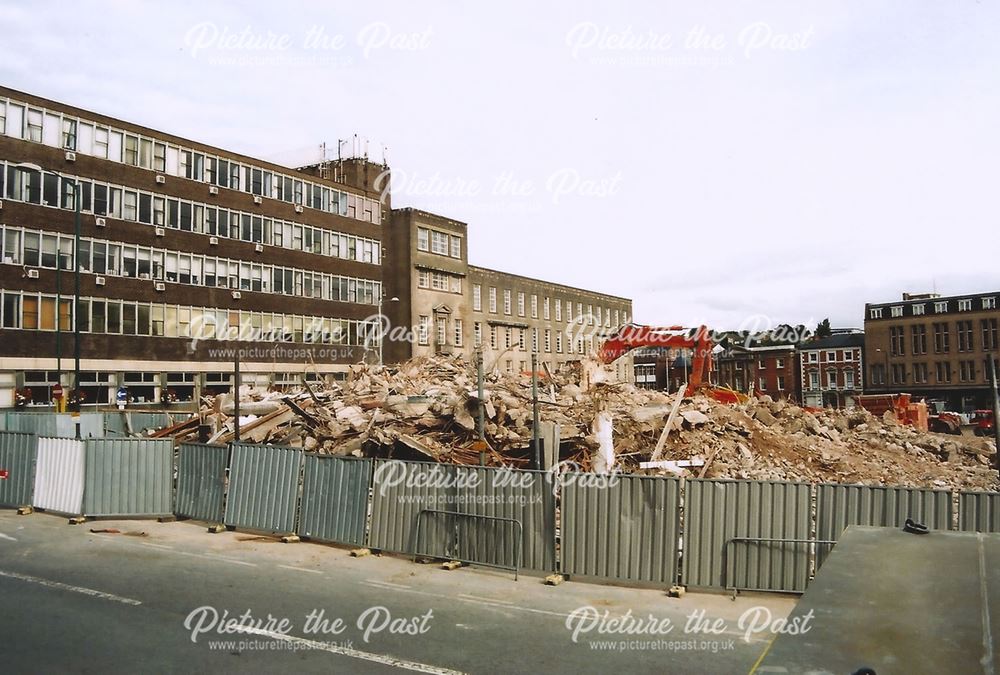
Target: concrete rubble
426,409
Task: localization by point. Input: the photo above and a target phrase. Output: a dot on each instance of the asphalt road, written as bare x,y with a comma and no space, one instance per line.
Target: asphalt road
147,600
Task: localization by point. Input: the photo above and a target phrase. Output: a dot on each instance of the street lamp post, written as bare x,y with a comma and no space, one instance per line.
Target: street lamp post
76,293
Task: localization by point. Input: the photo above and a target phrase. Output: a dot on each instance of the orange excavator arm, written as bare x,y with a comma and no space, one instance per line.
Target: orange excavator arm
632,336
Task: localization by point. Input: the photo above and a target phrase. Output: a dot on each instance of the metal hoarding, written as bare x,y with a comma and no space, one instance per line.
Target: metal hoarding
979,511
263,487
620,527
17,468
838,506
729,532
400,491
59,475
335,498
128,477
201,481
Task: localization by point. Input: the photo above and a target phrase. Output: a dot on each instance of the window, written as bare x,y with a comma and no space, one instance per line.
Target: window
943,372
878,374
534,340
898,373
456,246
781,382
439,243
831,379
918,309
33,126
520,304
848,354
918,335
896,311
967,371
441,331
558,310
831,356
813,357
423,239
456,284
493,337
493,299
762,364
919,373
477,329
423,279
68,134
534,306
506,301
507,337
545,309
848,379
477,298
875,313
989,329
965,305
548,340
989,303
941,307
762,384
559,343
941,338
964,329
897,341
459,338
423,329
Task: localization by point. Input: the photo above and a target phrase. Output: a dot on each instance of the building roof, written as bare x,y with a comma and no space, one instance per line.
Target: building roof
835,341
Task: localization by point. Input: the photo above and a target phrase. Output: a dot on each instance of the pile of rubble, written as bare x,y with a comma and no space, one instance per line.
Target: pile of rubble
427,409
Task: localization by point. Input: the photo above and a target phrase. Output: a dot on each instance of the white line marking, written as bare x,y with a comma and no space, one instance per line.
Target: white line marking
164,546
987,659
7,537
300,569
205,556
384,659
476,597
466,599
387,583
66,587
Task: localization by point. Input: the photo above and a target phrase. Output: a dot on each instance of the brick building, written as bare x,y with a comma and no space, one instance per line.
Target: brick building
178,240
934,347
769,370
455,307
832,370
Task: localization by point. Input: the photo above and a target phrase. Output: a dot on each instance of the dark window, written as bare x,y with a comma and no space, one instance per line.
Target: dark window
145,209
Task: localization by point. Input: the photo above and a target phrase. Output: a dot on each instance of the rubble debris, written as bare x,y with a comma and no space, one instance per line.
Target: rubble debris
426,409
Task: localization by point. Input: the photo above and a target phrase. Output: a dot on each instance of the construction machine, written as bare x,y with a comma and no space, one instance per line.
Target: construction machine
698,340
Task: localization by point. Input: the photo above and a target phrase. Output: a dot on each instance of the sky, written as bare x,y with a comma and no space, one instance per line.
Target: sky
739,165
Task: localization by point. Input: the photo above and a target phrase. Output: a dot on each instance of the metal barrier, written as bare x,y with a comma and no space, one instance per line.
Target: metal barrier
472,545
59,475
716,511
128,477
732,586
335,498
838,506
620,527
979,511
263,487
56,425
134,422
201,481
17,468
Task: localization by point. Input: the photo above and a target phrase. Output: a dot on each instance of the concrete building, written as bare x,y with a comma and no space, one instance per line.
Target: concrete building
183,247
454,307
832,370
768,370
933,346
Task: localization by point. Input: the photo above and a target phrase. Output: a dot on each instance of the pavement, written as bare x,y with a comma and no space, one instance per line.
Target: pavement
170,597
896,602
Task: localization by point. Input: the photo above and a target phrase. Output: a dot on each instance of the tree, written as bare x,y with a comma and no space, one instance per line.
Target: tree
823,329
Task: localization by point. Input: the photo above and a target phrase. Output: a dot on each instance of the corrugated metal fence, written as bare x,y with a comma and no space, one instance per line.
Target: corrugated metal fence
17,468
263,487
838,506
335,499
128,477
979,511
59,475
624,528
92,424
730,528
201,481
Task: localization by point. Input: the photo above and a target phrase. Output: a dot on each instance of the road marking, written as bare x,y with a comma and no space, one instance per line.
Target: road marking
206,556
146,543
494,605
300,569
476,597
66,587
7,537
387,583
384,659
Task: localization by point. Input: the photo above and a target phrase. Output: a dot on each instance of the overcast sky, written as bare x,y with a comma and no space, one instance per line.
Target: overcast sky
727,163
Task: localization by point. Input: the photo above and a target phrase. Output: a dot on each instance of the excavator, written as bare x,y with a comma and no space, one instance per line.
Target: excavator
633,336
